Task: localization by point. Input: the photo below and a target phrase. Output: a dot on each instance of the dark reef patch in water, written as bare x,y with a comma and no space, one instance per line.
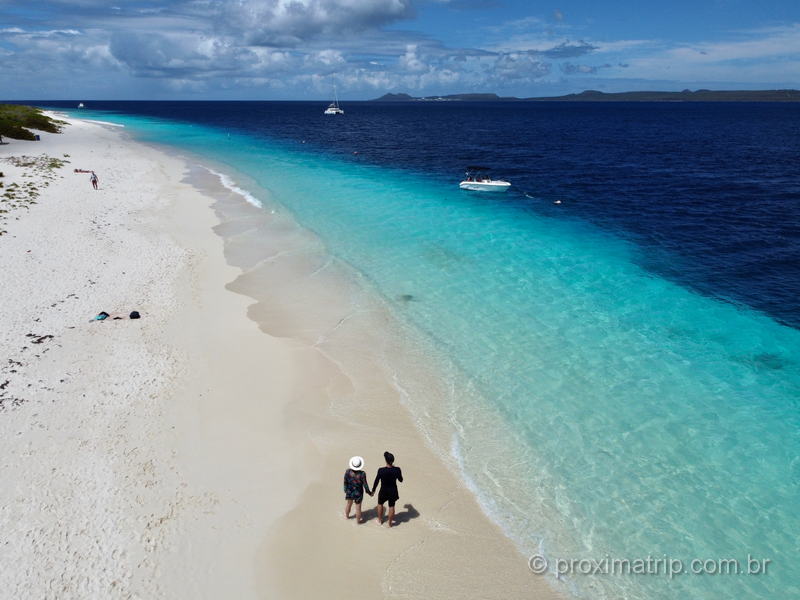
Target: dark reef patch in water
764,361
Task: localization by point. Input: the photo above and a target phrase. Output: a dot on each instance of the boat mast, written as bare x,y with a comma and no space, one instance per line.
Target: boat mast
335,97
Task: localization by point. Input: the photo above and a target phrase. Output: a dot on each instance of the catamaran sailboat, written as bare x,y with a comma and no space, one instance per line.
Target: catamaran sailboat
334,109
477,180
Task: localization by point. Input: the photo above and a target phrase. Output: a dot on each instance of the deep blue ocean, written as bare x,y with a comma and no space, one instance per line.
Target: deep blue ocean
638,341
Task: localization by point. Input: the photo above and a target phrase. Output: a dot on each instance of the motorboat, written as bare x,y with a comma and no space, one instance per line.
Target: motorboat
477,180
80,105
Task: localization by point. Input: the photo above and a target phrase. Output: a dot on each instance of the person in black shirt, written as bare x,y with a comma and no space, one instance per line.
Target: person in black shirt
388,477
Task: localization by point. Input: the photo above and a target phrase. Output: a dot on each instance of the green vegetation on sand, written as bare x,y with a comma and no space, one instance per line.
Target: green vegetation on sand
16,121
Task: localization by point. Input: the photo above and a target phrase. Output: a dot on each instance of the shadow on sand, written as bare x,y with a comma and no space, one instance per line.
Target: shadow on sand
400,517
406,515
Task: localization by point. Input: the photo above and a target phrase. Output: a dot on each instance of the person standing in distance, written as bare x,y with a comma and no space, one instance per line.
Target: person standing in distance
388,477
93,179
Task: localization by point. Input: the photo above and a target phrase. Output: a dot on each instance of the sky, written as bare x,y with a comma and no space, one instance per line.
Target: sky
296,49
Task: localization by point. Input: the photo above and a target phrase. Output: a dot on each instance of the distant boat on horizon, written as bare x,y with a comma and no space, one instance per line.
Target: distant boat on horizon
334,108
80,104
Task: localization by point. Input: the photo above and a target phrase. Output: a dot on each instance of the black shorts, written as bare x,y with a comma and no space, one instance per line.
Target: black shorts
391,498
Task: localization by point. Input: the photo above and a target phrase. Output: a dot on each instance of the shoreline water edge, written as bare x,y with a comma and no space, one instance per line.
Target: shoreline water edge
188,453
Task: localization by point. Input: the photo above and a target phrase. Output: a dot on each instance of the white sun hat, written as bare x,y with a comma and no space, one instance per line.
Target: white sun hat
356,463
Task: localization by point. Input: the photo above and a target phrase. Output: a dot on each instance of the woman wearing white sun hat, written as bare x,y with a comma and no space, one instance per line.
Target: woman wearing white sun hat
355,482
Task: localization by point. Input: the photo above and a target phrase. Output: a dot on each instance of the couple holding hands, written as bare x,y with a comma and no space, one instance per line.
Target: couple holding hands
355,483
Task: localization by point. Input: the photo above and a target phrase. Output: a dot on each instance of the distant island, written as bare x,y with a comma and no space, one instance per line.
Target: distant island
596,96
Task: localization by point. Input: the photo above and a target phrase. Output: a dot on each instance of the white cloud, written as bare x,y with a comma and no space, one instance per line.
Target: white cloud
623,45
290,22
777,42
410,61
34,33
570,68
760,55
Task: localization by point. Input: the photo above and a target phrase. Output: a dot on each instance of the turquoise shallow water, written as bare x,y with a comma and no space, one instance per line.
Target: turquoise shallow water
635,418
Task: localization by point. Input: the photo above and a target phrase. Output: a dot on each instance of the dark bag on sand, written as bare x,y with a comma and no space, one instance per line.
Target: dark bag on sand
135,314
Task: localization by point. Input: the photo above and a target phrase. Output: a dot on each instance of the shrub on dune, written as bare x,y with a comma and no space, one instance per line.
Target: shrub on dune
16,121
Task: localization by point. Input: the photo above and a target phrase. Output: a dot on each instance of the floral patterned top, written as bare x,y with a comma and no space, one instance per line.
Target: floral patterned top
355,482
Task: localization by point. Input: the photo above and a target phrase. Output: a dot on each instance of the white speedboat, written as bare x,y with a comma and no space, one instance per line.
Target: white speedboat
80,105
477,180
333,108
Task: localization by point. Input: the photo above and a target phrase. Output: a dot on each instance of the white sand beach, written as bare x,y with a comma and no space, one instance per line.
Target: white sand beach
198,452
